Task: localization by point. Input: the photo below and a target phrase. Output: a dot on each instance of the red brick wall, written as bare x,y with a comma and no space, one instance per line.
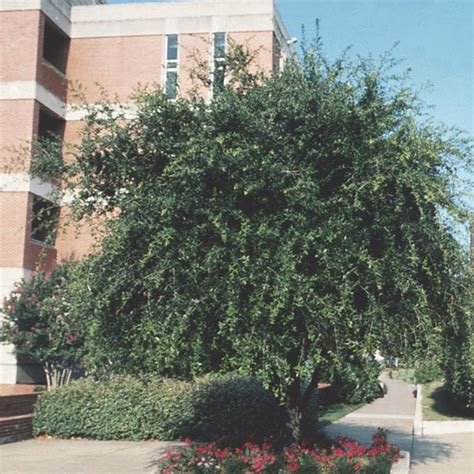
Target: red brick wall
74,239
118,64
13,217
72,132
193,49
260,42
19,39
14,405
17,122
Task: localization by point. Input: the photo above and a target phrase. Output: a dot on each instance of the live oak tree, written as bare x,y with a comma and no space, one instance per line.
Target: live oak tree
295,222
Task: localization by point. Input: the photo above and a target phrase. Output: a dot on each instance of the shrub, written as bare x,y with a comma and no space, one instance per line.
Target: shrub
38,323
122,407
460,347
356,381
460,373
428,370
345,456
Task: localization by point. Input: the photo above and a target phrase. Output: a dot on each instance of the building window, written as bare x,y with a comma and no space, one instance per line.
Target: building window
277,55
55,46
219,51
171,78
44,220
50,125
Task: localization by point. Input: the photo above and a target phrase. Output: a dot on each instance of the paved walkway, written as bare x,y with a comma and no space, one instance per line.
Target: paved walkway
49,456
395,412
453,454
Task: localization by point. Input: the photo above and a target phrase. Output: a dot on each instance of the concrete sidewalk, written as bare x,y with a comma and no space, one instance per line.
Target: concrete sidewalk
453,453
52,456
394,412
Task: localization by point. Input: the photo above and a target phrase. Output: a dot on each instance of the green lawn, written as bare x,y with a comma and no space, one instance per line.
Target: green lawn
405,375
438,405
330,413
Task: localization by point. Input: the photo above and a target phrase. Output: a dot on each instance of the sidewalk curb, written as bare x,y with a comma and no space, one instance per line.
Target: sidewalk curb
448,427
422,428
418,421
403,464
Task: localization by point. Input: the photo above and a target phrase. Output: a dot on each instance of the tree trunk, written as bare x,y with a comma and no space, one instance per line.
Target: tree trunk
294,411
56,375
297,406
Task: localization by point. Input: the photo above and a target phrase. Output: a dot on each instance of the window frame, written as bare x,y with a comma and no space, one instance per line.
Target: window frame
216,60
171,67
51,228
51,33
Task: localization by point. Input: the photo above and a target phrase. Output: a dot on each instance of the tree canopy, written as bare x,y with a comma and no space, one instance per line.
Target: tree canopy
292,224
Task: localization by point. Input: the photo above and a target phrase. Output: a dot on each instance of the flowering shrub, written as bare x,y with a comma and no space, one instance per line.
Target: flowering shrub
37,323
345,456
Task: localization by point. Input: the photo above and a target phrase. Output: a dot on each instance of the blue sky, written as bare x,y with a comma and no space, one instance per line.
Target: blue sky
435,38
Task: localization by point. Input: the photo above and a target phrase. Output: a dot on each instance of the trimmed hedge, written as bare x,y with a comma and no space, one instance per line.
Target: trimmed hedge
122,407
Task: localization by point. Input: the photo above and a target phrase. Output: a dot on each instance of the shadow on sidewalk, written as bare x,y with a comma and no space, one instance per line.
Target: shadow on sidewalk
433,449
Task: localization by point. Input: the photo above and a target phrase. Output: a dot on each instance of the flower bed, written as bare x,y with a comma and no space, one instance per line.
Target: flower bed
345,456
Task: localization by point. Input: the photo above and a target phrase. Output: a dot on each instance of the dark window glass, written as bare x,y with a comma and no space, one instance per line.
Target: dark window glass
172,48
219,45
171,84
55,46
49,125
219,76
44,220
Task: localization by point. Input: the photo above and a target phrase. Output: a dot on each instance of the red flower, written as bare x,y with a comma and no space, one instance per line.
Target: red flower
221,453
338,452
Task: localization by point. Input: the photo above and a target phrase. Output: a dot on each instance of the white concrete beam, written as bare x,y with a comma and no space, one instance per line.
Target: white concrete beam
206,16
23,182
23,90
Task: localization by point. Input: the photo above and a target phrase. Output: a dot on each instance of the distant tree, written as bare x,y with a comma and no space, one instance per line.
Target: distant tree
37,322
293,223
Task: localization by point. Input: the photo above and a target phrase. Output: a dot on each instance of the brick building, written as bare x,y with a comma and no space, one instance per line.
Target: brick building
47,45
